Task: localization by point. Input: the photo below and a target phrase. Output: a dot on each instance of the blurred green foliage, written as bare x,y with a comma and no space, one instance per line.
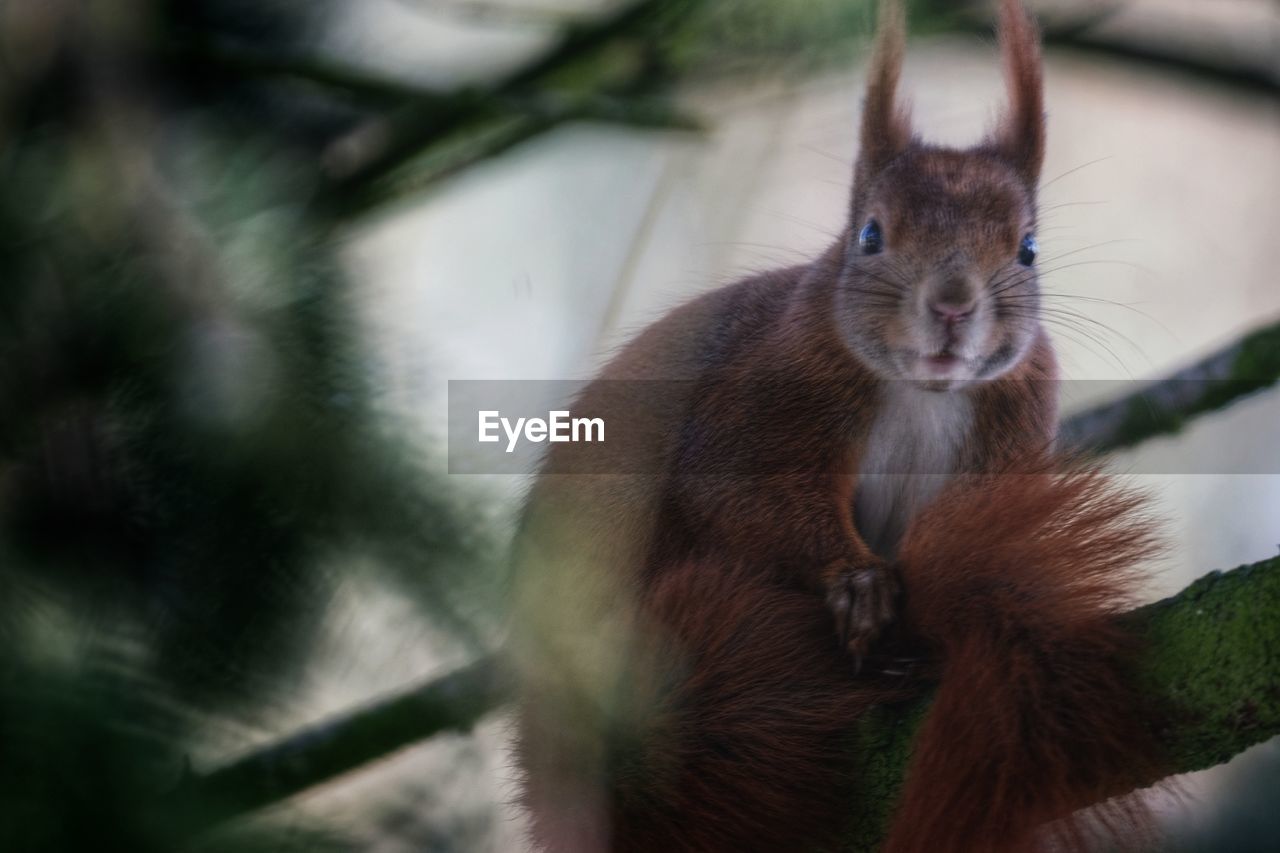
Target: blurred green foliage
757,38
190,451
771,36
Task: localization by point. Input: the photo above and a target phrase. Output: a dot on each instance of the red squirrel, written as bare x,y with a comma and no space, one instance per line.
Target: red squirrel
827,470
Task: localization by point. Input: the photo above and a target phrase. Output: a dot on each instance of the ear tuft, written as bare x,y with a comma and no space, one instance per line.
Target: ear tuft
1020,136
886,124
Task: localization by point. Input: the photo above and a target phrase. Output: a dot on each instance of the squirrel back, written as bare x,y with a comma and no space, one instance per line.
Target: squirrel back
810,475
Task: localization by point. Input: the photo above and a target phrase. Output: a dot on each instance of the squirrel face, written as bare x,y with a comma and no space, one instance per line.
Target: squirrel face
938,284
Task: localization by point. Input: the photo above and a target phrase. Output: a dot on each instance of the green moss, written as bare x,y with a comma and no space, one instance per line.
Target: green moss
1213,669
1143,420
1259,359
1255,367
882,741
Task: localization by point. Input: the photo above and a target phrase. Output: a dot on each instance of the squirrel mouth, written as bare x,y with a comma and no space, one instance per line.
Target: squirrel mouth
945,367
943,361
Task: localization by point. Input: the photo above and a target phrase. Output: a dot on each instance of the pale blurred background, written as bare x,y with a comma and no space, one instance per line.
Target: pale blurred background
1161,198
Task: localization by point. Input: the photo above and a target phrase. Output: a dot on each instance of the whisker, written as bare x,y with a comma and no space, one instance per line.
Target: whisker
1089,247
1098,300
1009,282
1063,204
1090,341
1054,311
887,296
1082,323
898,286
1076,169
1079,333
824,230
1130,264
843,160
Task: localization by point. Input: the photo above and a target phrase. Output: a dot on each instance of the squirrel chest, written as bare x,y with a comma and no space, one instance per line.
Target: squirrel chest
912,451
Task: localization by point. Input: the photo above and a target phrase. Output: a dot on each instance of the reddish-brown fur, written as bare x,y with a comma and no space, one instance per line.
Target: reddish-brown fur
747,700
1036,714
695,612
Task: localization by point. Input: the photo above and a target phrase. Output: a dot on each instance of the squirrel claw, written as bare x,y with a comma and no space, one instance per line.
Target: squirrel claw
863,599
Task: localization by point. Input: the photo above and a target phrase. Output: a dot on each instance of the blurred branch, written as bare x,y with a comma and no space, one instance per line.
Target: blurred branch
581,40
532,118
1166,406
635,111
497,123
452,130
394,140
329,749
1082,20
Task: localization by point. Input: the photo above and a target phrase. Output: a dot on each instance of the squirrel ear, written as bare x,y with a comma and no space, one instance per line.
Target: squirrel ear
886,124
1020,135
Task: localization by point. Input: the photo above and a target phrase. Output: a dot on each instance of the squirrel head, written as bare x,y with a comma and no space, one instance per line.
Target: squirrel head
938,284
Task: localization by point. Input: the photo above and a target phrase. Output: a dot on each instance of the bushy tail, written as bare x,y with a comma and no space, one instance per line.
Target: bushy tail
1017,580
731,723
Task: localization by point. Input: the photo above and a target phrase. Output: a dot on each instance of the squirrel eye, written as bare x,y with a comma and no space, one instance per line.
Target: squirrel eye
870,241
1028,250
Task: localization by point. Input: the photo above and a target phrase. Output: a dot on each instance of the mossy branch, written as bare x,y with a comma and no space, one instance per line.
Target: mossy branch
1211,667
1245,367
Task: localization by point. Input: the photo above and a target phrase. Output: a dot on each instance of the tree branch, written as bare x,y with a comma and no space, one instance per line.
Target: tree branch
403,135
1245,367
414,120
529,118
327,750
1212,667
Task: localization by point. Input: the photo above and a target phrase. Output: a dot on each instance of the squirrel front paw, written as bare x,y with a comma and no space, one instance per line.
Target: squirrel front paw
863,597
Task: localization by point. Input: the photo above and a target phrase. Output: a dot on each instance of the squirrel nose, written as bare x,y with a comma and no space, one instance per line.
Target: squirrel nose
951,312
